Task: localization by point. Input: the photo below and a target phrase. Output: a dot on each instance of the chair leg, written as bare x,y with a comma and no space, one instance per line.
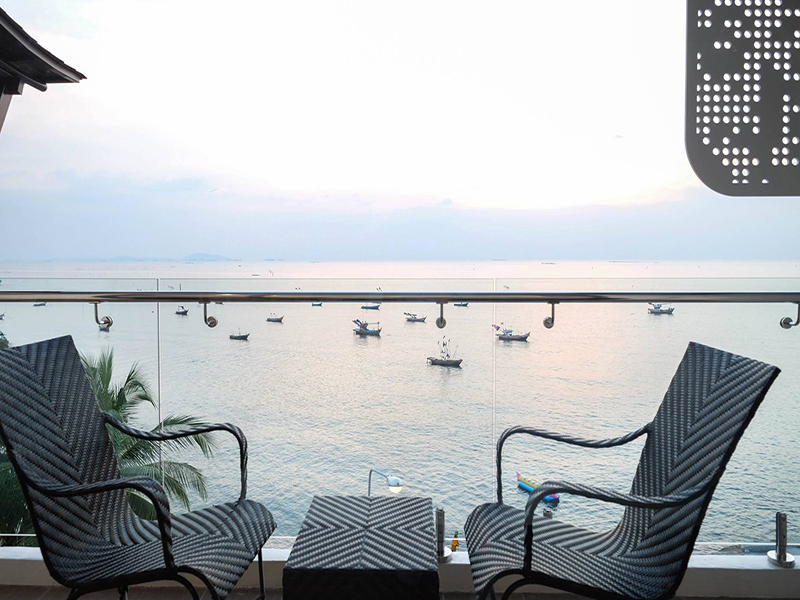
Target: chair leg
185,583
123,593
73,594
492,594
261,576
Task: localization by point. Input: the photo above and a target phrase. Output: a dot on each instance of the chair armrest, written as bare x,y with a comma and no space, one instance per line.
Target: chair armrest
156,436
554,487
149,487
559,437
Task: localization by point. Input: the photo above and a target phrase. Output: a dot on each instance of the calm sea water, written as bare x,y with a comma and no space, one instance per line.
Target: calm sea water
321,406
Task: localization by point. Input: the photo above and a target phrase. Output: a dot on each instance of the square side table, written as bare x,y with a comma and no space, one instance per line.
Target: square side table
354,547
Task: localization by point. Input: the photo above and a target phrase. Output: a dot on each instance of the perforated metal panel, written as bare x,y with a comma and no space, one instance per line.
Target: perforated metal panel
743,95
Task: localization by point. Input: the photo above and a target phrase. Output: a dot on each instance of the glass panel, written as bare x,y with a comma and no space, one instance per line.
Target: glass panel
602,371
321,405
133,338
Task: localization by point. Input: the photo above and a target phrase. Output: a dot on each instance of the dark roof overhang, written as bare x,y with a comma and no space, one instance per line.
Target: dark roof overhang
24,61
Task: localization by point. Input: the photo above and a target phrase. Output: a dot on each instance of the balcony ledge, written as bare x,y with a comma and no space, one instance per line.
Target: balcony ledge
708,576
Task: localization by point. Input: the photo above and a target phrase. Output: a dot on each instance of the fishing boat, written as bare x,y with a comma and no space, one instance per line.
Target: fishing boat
461,304
373,306
507,334
413,318
656,308
316,304
182,311
528,485
272,318
40,303
445,359
217,301
363,329
240,336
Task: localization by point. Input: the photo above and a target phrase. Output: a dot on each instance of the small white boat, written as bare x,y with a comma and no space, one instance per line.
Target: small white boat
273,318
373,306
182,311
414,318
656,308
240,336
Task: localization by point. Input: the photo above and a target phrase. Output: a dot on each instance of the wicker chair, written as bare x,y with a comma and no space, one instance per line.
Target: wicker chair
57,441
711,400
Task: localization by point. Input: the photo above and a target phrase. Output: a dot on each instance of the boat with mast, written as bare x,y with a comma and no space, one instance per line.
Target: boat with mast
506,334
363,329
240,336
182,311
445,359
273,318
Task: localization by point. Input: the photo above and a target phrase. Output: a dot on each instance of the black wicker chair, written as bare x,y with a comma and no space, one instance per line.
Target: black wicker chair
708,405
90,539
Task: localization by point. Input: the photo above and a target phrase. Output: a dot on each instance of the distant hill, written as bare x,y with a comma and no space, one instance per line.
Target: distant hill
202,257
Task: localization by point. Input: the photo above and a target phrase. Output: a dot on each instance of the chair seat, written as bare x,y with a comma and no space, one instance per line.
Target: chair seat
571,555
219,541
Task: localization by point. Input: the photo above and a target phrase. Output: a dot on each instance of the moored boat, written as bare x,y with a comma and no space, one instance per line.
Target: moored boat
507,334
316,304
40,303
528,485
461,304
363,329
374,306
240,336
414,318
2,316
445,359
182,311
656,308
445,362
274,319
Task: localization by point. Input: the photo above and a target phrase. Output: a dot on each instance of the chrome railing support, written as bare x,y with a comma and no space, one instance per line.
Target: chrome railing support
105,322
786,322
440,321
210,321
551,320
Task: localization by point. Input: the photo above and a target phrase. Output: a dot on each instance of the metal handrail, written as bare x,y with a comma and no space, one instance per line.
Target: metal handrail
764,297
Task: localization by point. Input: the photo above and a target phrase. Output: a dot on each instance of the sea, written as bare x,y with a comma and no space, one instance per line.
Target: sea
321,406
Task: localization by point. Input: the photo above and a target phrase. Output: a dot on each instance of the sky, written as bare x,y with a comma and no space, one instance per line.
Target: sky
342,130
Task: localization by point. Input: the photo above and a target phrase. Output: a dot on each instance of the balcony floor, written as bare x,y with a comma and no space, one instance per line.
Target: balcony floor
175,593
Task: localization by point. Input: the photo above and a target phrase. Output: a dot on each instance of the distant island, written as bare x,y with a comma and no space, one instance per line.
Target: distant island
203,257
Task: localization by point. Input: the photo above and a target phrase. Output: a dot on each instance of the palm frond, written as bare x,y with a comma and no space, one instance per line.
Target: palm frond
176,477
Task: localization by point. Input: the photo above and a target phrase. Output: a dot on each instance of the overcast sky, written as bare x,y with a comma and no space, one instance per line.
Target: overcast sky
275,128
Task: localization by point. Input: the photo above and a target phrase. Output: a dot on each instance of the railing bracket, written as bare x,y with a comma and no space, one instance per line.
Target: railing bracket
551,320
106,322
210,321
440,321
786,322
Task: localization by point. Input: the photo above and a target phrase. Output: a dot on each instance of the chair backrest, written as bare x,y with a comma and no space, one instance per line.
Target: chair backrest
54,433
711,400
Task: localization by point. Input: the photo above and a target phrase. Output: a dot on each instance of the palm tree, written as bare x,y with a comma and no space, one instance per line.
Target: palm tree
158,460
